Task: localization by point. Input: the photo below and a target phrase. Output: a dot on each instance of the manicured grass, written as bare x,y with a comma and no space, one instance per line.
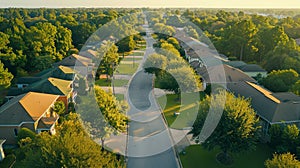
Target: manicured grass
128,69
196,156
119,96
137,53
187,107
131,59
117,82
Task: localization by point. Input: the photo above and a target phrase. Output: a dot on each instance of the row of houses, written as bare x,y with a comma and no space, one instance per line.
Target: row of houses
238,77
30,103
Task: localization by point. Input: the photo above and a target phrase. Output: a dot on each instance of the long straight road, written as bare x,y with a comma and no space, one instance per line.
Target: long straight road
149,143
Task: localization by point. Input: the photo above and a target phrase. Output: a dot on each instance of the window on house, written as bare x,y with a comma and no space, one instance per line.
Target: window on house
16,132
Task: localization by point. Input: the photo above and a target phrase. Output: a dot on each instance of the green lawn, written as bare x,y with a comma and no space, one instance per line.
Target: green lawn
187,108
131,59
196,157
117,82
119,96
137,53
128,69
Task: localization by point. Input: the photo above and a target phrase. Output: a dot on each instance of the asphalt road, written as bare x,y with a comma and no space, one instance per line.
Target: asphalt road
149,144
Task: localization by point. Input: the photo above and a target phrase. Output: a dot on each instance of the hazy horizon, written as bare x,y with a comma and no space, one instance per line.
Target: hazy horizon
279,4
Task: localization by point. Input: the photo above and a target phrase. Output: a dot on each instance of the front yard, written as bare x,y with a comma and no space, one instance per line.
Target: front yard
196,156
171,105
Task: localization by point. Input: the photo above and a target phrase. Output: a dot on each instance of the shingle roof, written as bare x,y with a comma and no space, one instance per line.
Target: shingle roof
89,53
13,113
224,73
74,60
235,64
63,85
66,70
268,106
252,68
28,80
51,86
26,108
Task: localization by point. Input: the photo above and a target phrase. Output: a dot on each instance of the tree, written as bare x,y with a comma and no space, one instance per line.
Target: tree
237,129
155,63
5,77
72,147
105,114
284,138
280,80
59,108
126,44
296,88
290,137
24,133
179,80
63,42
108,53
282,160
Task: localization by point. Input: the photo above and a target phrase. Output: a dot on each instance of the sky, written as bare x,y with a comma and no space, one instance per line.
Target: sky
152,3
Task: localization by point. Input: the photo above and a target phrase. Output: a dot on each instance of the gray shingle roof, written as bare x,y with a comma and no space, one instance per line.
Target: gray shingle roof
268,106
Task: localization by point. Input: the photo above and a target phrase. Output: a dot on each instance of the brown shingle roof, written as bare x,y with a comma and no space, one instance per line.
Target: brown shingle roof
25,108
36,104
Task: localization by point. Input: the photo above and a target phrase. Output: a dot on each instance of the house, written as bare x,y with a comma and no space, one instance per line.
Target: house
250,69
48,85
272,108
91,54
82,65
2,155
74,60
54,86
223,74
253,70
32,110
63,72
60,72
25,81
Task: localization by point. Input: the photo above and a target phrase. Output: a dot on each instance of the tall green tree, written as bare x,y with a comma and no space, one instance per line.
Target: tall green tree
237,129
5,77
108,53
111,118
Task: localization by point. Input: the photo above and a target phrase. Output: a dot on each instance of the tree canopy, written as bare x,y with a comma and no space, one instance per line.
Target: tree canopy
237,129
282,160
72,147
280,80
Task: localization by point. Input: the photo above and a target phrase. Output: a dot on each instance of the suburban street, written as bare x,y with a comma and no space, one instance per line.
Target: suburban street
149,143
